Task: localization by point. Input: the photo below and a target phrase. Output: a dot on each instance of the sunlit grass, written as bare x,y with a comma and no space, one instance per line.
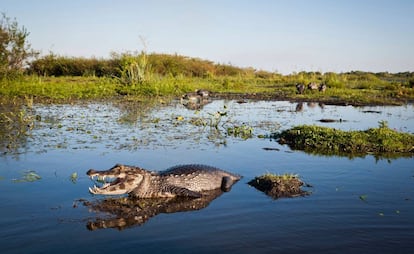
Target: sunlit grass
74,88
58,88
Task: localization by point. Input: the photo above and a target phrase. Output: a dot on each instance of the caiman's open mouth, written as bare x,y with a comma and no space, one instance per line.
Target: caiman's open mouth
106,184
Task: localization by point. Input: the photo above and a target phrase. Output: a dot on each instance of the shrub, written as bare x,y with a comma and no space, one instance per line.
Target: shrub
15,50
333,80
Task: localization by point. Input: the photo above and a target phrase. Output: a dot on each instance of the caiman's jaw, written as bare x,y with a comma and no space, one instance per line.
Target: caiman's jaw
115,181
113,187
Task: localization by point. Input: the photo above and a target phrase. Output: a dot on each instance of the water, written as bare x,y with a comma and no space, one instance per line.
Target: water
360,205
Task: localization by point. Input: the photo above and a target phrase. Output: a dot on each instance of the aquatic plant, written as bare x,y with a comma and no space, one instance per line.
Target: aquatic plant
73,177
28,176
15,126
329,140
216,118
243,131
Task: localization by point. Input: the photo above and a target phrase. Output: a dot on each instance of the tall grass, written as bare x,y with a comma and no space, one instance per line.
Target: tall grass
69,88
140,63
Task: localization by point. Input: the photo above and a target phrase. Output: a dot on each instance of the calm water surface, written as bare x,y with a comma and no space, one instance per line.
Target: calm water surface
361,205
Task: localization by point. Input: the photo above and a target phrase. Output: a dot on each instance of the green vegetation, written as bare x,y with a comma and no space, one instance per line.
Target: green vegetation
16,123
279,178
395,91
15,50
28,176
47,89
73,177
381,140
243,131
218,123
278,186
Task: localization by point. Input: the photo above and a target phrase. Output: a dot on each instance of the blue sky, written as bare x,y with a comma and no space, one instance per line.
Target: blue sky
283,36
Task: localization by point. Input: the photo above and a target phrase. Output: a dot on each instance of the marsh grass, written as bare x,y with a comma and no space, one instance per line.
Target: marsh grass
75,88
58,89
381,140
140,81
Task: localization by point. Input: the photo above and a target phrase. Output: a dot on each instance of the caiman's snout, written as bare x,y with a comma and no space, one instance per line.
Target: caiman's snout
114,181
91,172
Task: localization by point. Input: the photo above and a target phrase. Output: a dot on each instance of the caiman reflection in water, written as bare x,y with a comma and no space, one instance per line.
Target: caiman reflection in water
124,212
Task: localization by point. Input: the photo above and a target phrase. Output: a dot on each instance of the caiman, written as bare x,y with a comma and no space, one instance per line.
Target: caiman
179,181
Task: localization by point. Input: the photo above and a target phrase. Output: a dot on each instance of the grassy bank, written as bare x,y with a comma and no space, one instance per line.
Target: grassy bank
273,88
324,140
67,88
55,78
63,88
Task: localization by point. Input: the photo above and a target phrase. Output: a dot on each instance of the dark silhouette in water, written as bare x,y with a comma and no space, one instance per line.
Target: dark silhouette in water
299,107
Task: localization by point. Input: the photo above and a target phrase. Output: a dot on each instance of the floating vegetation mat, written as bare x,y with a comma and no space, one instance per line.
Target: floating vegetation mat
280,186
324,140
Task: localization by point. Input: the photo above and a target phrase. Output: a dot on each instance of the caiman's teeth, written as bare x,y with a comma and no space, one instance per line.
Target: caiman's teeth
96,190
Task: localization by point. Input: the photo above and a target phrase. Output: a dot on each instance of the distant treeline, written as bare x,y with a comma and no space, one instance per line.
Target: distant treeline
161,64
177,65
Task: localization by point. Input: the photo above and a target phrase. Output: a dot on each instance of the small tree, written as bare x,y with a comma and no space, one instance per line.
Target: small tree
15,50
